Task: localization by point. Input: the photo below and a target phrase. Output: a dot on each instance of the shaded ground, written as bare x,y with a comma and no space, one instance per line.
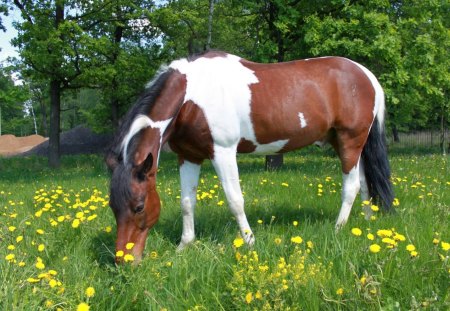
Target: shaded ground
79,140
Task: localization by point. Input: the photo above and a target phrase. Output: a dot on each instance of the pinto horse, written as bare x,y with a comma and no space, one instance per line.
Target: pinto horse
216,105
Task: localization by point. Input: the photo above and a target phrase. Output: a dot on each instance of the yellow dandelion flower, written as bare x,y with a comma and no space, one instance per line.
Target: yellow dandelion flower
435,241
40,265
10,257
356,231
374,248
128,258
33,280
108,229
285,184
366,202
119,254
49,303
21,264
295,223
11,247
396,202
19,239
374,208
383,233
12,228
83,307
52,283
277,241
399,237
363,280
414,254
340,291
296,239
370,236
410,247
75,223
90,292
249,297
445,246
238,242
129,245
389,241
40,231
310,244
92,217
258,295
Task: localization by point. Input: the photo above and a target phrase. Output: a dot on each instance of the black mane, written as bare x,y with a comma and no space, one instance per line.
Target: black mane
142,106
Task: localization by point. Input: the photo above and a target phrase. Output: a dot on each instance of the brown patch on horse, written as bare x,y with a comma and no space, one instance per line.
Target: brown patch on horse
191,135
320,91
170,97
246,146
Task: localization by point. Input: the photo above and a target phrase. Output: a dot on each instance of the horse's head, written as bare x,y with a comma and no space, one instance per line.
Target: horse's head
134,202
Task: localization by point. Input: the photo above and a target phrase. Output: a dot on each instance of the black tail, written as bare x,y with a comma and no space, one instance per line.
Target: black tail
376,168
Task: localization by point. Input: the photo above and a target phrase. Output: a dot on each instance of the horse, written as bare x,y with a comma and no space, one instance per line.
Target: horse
215,105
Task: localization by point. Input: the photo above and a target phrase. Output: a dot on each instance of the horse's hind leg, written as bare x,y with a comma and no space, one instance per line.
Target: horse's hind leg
365,195
349,148
226,167
189,175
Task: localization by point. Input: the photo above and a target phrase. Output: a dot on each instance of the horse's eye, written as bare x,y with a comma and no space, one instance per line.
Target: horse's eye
139,209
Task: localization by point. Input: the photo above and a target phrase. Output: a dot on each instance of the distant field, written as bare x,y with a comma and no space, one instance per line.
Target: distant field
57,241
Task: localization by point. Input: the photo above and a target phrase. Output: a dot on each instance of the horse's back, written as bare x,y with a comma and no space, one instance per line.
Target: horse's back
267,108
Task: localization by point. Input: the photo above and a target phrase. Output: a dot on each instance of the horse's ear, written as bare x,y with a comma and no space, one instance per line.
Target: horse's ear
112,161
142,170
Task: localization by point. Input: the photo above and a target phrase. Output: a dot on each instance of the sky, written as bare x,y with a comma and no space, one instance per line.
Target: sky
5,37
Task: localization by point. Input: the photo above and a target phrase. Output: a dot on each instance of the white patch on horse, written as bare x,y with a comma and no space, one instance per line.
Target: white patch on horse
379,106
220,86
350,187
139,123
303,123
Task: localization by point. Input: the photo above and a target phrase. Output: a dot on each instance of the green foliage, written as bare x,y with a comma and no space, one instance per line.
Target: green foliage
117,46
14,119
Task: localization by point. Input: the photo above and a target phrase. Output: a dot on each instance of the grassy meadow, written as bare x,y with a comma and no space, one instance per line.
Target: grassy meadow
57,239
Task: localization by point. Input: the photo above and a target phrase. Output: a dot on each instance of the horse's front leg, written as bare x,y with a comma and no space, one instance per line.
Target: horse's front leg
226,167
189,175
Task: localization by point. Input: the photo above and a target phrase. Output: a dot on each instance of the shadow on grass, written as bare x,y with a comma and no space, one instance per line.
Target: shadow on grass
102,247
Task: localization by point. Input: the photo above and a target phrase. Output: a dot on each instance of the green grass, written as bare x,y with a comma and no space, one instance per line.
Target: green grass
327,271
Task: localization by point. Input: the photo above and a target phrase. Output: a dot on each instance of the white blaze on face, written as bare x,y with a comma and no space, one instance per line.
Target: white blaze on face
220,86
140,122
303,123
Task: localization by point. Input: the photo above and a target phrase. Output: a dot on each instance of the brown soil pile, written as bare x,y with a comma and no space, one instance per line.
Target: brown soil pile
11,145
79,140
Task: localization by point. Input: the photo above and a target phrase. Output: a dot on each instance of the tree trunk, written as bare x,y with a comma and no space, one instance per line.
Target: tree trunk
210,19
114,111
395,134
44,117
114,101
442,138
55,126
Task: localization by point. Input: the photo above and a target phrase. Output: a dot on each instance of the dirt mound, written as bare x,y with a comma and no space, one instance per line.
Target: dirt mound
79,140
11,145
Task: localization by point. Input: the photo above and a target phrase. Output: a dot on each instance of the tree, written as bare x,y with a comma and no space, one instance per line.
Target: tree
55,49
13,118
